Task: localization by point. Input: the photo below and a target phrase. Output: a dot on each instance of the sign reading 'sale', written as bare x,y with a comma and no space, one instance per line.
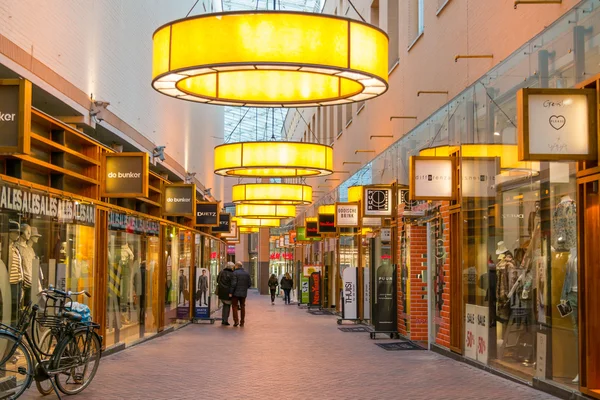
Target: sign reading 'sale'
125,175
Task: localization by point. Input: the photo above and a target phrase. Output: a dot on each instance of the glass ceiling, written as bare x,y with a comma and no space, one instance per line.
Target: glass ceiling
244,124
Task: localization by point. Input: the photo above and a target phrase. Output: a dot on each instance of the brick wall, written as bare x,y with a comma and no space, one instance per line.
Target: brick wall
443,336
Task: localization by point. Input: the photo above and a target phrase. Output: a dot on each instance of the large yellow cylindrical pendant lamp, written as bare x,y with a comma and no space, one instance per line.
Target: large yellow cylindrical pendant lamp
264,211
271,193
258,223
270,59
273,159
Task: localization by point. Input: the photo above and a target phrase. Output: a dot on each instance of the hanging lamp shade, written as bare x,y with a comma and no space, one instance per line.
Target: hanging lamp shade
327,209
245,229
264,211
271,193
257,222
273,159
270,59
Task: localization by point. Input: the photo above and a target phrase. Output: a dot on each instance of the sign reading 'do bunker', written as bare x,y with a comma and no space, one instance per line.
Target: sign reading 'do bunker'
180,200
125,175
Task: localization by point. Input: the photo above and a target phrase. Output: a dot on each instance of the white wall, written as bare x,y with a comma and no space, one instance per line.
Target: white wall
104,47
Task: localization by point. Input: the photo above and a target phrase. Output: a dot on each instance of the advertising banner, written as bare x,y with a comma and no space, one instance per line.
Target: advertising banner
471,331
314,284
385,299
124,175
350,285
304,288
15,116
347,215
131,224
366,293
483,331
183,296
557,124
224,222
207,214
202,295
431,178
180,200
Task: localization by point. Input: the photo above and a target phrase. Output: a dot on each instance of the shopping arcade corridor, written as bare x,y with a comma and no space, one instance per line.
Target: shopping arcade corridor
284,352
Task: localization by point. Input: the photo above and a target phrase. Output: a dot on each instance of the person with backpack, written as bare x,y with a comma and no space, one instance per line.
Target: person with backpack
273,287
224,285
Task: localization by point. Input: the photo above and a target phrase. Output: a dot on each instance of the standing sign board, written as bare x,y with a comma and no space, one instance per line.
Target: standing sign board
350,288
180,200
304,288
207,214
471,331
124,175
557,124
347,215
378,201
431,178
385,299
15,116
482,332
202,294
314,284
366,293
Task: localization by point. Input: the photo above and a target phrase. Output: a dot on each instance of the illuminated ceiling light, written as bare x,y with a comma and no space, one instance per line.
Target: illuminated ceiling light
271,193
264,211
257,222
247,229
273,159
270,59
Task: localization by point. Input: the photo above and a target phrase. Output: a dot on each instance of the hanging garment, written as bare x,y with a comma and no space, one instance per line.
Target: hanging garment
564,225
504,268
15,263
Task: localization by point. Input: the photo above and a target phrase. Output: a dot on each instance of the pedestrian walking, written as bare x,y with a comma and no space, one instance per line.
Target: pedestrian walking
273,287
239,289
287,284
224,284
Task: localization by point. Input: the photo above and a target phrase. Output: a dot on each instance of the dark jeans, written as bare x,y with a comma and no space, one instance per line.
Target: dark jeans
286,297
273,291
239,303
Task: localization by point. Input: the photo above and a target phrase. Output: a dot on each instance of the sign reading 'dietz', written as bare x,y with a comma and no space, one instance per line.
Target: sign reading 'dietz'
346,214
431,178
207,214
557,124
15,116
180,200
125,175
378,201
224,221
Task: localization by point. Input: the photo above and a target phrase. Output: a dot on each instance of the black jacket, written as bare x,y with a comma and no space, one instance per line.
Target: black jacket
273,283
287,283
241,283
225,280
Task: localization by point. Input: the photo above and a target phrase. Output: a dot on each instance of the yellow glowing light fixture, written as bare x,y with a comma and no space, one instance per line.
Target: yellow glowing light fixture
273,159
327,209
270,59
245,229
271,193
265,211
508,154
257,223
311,219
355,193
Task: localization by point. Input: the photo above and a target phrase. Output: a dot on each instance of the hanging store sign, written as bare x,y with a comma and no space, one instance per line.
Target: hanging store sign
224,224
207,214
179,200
371,221
286,239
385,234
301,235
431,178
131,224
377,201
292,236
124,175
26,202
350,293
314,284
233,233
478,176
557,124
15,116
402,196
347,215
326,223
312,229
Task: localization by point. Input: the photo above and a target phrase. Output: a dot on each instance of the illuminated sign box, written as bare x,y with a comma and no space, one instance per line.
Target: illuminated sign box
432,178
124,175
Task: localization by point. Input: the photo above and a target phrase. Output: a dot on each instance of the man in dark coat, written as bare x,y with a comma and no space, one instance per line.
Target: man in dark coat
224,281
202,288
239,290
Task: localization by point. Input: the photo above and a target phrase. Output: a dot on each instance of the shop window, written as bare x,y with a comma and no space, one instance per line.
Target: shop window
416,21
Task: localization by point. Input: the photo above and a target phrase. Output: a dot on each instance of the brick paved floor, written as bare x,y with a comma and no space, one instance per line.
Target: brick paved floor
285,353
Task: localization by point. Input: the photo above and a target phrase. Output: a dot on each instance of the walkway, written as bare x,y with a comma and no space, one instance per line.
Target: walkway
285,353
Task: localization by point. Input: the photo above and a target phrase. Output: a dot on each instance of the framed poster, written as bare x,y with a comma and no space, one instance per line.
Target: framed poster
432,178
378,201
557,124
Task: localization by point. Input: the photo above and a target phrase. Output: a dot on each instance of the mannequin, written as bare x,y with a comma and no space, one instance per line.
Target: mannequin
125,262
15,263
569,291
35,237
504,269
27,255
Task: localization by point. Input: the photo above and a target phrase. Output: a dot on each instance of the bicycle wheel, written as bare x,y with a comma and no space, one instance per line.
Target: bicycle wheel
16,367
76,361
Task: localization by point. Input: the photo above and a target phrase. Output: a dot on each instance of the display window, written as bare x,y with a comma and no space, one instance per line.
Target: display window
520,274
44,240
132,278
178,249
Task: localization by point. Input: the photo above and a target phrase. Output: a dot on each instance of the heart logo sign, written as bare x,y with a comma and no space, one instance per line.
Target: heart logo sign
557,121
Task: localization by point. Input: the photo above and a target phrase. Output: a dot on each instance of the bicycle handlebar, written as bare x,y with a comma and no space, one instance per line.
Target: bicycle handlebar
62,293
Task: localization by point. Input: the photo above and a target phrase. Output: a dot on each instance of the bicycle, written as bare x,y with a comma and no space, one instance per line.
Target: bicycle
67,367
